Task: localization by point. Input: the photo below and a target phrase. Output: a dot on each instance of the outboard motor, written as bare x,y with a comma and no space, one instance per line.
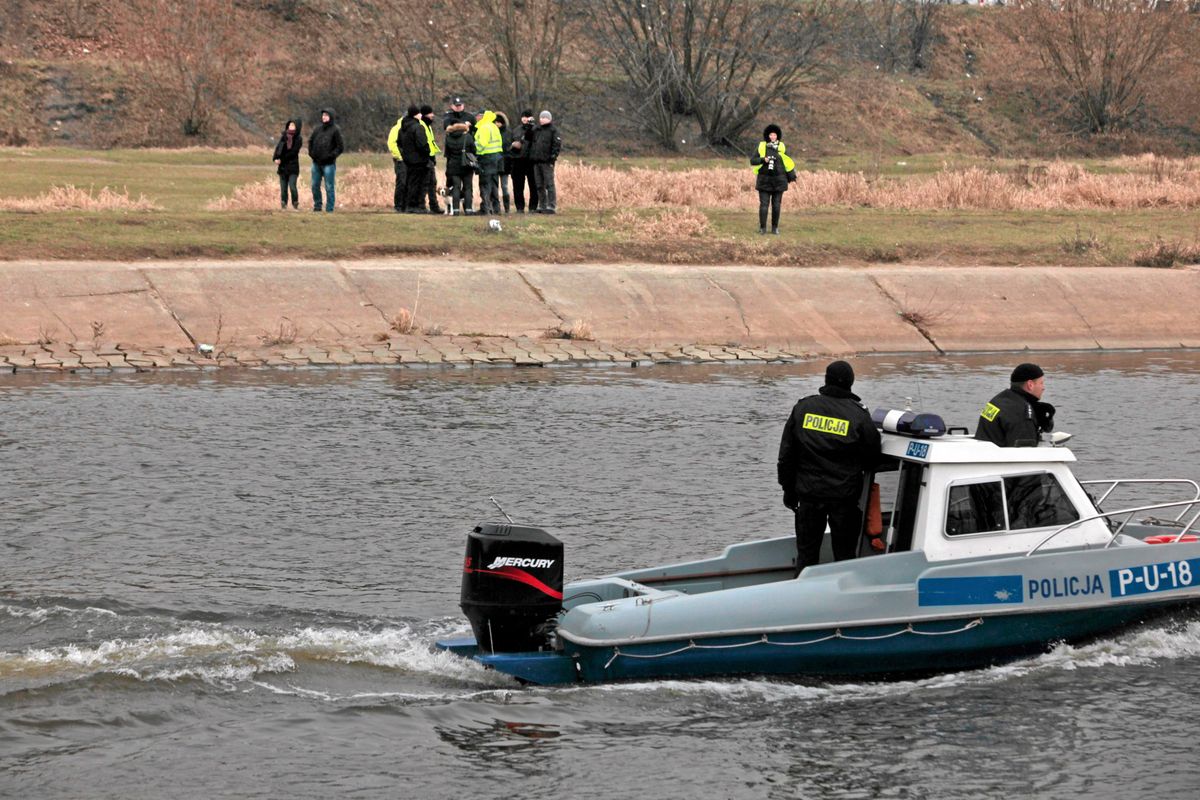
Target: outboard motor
512,584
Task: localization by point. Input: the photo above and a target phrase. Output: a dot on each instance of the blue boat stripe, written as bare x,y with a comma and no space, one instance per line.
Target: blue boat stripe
982,590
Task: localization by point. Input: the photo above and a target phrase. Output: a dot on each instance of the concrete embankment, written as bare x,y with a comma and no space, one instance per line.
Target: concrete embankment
80,315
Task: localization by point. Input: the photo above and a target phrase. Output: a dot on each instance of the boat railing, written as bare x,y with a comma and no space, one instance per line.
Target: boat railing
1128,514
1114,483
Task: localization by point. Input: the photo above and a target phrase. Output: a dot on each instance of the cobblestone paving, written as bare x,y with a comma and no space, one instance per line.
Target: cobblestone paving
402,351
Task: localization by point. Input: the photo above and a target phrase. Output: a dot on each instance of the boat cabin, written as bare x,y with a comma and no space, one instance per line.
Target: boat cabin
953,496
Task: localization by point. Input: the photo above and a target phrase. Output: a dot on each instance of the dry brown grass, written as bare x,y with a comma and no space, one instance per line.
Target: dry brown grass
578,330
357,187
72,198
669,223
1148,181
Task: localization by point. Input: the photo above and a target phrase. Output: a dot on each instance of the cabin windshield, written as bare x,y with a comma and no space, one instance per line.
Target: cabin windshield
1015,502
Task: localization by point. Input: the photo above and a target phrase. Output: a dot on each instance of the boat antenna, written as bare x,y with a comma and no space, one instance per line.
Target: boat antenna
502,511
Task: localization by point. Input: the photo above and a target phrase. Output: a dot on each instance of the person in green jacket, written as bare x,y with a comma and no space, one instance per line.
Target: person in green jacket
774,170
489,149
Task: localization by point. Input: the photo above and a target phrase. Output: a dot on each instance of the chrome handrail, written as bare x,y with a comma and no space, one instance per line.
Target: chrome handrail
1130,512
1122,481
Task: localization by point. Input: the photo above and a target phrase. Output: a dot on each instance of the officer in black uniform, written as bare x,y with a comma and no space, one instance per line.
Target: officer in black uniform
828,443
1017,416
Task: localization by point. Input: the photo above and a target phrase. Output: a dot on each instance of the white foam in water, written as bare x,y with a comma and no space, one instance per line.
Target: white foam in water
222,655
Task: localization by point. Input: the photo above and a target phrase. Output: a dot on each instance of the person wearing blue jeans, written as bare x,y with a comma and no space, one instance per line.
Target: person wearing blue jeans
324,146
328,173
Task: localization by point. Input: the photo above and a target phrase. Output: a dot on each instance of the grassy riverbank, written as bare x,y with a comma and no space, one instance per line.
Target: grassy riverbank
168,204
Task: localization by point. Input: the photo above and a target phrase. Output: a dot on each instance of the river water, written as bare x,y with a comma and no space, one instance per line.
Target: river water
227,585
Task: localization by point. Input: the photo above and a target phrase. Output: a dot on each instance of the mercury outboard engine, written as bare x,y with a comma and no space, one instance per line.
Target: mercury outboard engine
512,585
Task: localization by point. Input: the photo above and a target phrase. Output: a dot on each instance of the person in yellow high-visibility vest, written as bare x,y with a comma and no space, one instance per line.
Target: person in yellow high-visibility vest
431,176
489,149
399,199
774,170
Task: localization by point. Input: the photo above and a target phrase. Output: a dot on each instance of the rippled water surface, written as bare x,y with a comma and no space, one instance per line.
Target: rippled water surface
227,585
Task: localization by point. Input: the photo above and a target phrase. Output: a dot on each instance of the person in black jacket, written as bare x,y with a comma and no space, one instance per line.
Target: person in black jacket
829,444
458,174
773,170
414,150
287,159
1017,416
324,147
458,119
520,166
543,152
505,159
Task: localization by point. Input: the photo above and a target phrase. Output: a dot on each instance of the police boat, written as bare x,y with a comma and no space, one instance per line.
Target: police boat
970,554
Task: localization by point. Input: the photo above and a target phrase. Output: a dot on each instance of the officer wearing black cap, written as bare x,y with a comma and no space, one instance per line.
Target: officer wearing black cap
1017,416
828,444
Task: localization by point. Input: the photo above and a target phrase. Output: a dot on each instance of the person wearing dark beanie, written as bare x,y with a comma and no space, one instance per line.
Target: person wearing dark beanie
840,374
829,444
1017,416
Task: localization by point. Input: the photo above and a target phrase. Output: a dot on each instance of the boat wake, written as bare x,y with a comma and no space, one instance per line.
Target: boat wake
94,642
82,643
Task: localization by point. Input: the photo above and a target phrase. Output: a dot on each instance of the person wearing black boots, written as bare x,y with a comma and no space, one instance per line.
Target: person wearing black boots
287,159
774,170
521,167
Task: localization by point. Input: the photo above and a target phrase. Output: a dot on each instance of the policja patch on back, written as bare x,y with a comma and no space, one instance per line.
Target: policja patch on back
816,422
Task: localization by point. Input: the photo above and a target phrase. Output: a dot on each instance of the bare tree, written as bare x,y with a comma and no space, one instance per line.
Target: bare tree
398,30
1105,52
721,61
895,34
194,56
508,52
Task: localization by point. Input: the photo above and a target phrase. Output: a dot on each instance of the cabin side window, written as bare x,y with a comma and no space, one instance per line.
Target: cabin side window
1015,503
975,508
1037,501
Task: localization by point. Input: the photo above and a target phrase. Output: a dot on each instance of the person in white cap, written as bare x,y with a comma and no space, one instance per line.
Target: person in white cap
543,152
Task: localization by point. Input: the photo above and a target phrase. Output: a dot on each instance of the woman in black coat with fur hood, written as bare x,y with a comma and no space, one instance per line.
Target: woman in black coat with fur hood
774,170
287,158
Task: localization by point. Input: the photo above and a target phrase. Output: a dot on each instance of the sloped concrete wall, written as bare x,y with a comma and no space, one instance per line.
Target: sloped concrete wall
820,311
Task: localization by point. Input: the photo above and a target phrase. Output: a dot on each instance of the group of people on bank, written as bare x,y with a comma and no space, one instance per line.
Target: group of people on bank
830,444
473,146
511,168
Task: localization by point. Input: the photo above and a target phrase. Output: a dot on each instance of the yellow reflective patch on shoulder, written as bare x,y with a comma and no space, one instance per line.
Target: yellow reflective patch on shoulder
989,412
815,422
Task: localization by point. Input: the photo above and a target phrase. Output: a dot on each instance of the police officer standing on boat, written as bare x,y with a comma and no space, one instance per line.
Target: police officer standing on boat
1017,416
828,444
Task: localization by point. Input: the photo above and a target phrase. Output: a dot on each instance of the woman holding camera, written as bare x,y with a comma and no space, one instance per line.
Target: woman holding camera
774,171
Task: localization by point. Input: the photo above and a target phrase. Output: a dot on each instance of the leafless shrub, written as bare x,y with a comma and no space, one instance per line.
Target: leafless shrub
578,330
1106,53
897,34
285,334
1082,243
1165,255
195,55
97,330
70,198
509,53
880,255
721,61
46,335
